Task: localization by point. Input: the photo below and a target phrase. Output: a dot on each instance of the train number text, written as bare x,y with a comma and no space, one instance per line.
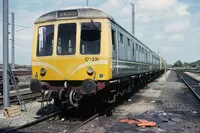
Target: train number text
91,59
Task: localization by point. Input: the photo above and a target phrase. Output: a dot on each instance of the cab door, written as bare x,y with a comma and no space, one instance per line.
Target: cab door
114,51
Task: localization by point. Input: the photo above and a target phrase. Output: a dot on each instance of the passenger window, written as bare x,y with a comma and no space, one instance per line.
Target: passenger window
121,38
133,49
140,54
128,40
143,51
136,47
114,39
90,38
45,40
66,39
145,55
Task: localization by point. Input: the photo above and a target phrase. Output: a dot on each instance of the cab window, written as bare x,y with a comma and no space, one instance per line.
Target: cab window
45,40
90,38
66,39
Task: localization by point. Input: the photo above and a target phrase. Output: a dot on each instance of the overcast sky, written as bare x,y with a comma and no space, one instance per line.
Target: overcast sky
173,26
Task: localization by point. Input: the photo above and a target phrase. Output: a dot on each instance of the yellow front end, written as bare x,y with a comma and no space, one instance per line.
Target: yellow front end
71,67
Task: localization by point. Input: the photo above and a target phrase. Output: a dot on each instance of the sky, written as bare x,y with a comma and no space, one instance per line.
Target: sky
169,27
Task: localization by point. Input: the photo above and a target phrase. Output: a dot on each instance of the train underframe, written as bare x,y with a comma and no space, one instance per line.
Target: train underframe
72,93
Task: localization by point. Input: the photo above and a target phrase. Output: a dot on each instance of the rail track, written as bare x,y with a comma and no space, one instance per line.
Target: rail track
192,83
197,73
70,129
20,87
27,95
105,111
47,117
83,123
18,73
33,122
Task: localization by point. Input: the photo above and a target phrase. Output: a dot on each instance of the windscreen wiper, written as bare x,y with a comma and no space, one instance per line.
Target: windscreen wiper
95,25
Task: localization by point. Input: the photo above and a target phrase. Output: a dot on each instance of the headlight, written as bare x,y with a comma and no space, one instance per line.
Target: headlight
42,71
90,70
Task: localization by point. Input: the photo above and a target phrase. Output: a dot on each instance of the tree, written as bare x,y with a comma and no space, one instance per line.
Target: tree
185,64
178,64
195,64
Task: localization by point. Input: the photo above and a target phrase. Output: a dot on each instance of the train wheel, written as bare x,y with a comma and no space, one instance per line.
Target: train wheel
74,98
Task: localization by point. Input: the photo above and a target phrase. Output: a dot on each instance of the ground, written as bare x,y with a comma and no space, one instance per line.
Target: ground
169,103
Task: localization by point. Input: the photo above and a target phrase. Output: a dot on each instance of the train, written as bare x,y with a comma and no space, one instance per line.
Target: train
84,52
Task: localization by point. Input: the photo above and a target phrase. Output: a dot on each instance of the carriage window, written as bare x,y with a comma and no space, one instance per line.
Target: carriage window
137,47
66,39
113,40
146,56
128,40
133,49
90,38
45,40
121,37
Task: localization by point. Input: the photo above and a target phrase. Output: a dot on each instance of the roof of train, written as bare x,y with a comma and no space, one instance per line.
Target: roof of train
74,12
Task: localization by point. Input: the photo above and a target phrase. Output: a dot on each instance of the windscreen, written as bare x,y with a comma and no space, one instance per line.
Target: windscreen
66,39
90,38
45,40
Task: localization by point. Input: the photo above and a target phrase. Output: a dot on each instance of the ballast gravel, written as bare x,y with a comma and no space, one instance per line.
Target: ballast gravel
168,102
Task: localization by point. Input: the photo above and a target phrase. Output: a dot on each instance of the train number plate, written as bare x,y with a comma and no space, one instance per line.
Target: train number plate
91,59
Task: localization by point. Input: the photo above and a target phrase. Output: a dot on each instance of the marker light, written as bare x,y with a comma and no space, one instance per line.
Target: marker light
90,70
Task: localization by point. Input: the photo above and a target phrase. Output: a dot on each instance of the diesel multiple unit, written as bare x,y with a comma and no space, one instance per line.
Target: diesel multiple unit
83,51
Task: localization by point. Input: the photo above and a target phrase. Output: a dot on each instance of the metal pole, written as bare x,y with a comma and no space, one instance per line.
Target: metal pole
87,2
13,39
5,54
165,69
133,18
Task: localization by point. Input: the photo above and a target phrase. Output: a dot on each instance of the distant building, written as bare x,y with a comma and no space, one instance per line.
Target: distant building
1,65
